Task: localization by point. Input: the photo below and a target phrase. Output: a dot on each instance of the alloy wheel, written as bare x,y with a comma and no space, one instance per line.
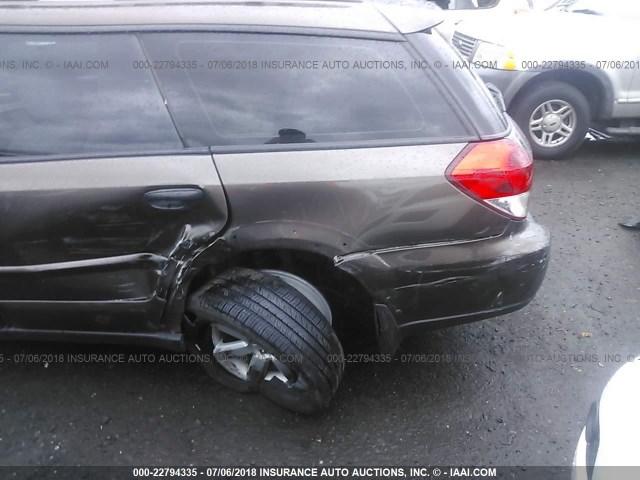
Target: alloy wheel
245,360
552,123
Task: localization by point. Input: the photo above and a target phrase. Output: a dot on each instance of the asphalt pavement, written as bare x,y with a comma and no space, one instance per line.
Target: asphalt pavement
514,390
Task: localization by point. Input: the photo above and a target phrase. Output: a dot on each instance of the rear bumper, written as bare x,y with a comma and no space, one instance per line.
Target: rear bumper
453,283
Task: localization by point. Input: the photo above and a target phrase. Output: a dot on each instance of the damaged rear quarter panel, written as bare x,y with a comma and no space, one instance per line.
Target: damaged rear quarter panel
337,202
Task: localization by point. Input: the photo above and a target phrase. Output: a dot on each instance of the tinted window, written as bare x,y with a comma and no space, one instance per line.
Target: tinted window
468,86
79,94
249,89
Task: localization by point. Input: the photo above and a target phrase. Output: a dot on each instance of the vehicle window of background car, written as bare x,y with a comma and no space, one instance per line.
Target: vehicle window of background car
471,4
544,4
619,8
79,94
341,90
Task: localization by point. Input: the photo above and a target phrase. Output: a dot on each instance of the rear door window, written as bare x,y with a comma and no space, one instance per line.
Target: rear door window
226,89
79,93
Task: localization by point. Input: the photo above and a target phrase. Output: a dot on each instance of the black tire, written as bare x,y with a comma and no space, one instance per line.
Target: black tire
525,105
270,314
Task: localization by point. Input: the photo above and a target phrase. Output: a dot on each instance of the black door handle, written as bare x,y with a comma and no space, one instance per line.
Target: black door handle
174,198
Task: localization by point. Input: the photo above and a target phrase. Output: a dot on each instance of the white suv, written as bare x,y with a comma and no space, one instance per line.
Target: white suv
562,71
483,10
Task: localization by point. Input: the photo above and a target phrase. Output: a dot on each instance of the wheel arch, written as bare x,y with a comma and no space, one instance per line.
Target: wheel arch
593,83
351,304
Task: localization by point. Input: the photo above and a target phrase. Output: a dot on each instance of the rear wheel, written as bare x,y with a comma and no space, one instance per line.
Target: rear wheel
265,335
554,116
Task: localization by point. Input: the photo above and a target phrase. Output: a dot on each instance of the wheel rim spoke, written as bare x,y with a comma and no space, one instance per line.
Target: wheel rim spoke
258,367
281,372
536,125
565,131
245,360
564,111
237,348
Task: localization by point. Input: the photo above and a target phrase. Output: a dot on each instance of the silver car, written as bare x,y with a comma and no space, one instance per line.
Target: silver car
562,71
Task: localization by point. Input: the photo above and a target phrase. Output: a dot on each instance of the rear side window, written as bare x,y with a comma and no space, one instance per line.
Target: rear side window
79,94
467,86
253,89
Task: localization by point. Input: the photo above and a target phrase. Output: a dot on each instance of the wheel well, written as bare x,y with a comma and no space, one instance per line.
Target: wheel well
587,83
351,305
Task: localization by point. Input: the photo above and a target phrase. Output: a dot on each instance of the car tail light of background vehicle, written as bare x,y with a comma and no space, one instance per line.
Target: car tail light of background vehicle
497,174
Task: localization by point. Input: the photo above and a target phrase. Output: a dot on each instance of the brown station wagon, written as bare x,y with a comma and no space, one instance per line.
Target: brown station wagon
200,176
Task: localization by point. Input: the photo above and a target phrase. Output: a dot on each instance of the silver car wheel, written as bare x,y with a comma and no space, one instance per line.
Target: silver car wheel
553,123
245,360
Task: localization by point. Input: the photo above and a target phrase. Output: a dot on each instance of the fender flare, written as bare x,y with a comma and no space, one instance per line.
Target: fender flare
606,103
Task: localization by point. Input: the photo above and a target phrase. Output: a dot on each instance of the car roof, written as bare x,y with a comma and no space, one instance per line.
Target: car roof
328,14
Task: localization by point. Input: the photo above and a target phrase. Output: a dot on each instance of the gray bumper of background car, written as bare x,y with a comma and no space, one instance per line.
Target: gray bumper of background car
446,284
509,82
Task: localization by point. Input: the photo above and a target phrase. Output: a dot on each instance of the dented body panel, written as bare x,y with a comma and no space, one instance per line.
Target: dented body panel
451,283
350,201
108,246
83,250
428,254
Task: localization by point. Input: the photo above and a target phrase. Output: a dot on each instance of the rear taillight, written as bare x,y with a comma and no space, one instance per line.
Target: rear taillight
497,174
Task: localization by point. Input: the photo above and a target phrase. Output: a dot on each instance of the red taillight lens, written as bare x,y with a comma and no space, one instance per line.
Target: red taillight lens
494,170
